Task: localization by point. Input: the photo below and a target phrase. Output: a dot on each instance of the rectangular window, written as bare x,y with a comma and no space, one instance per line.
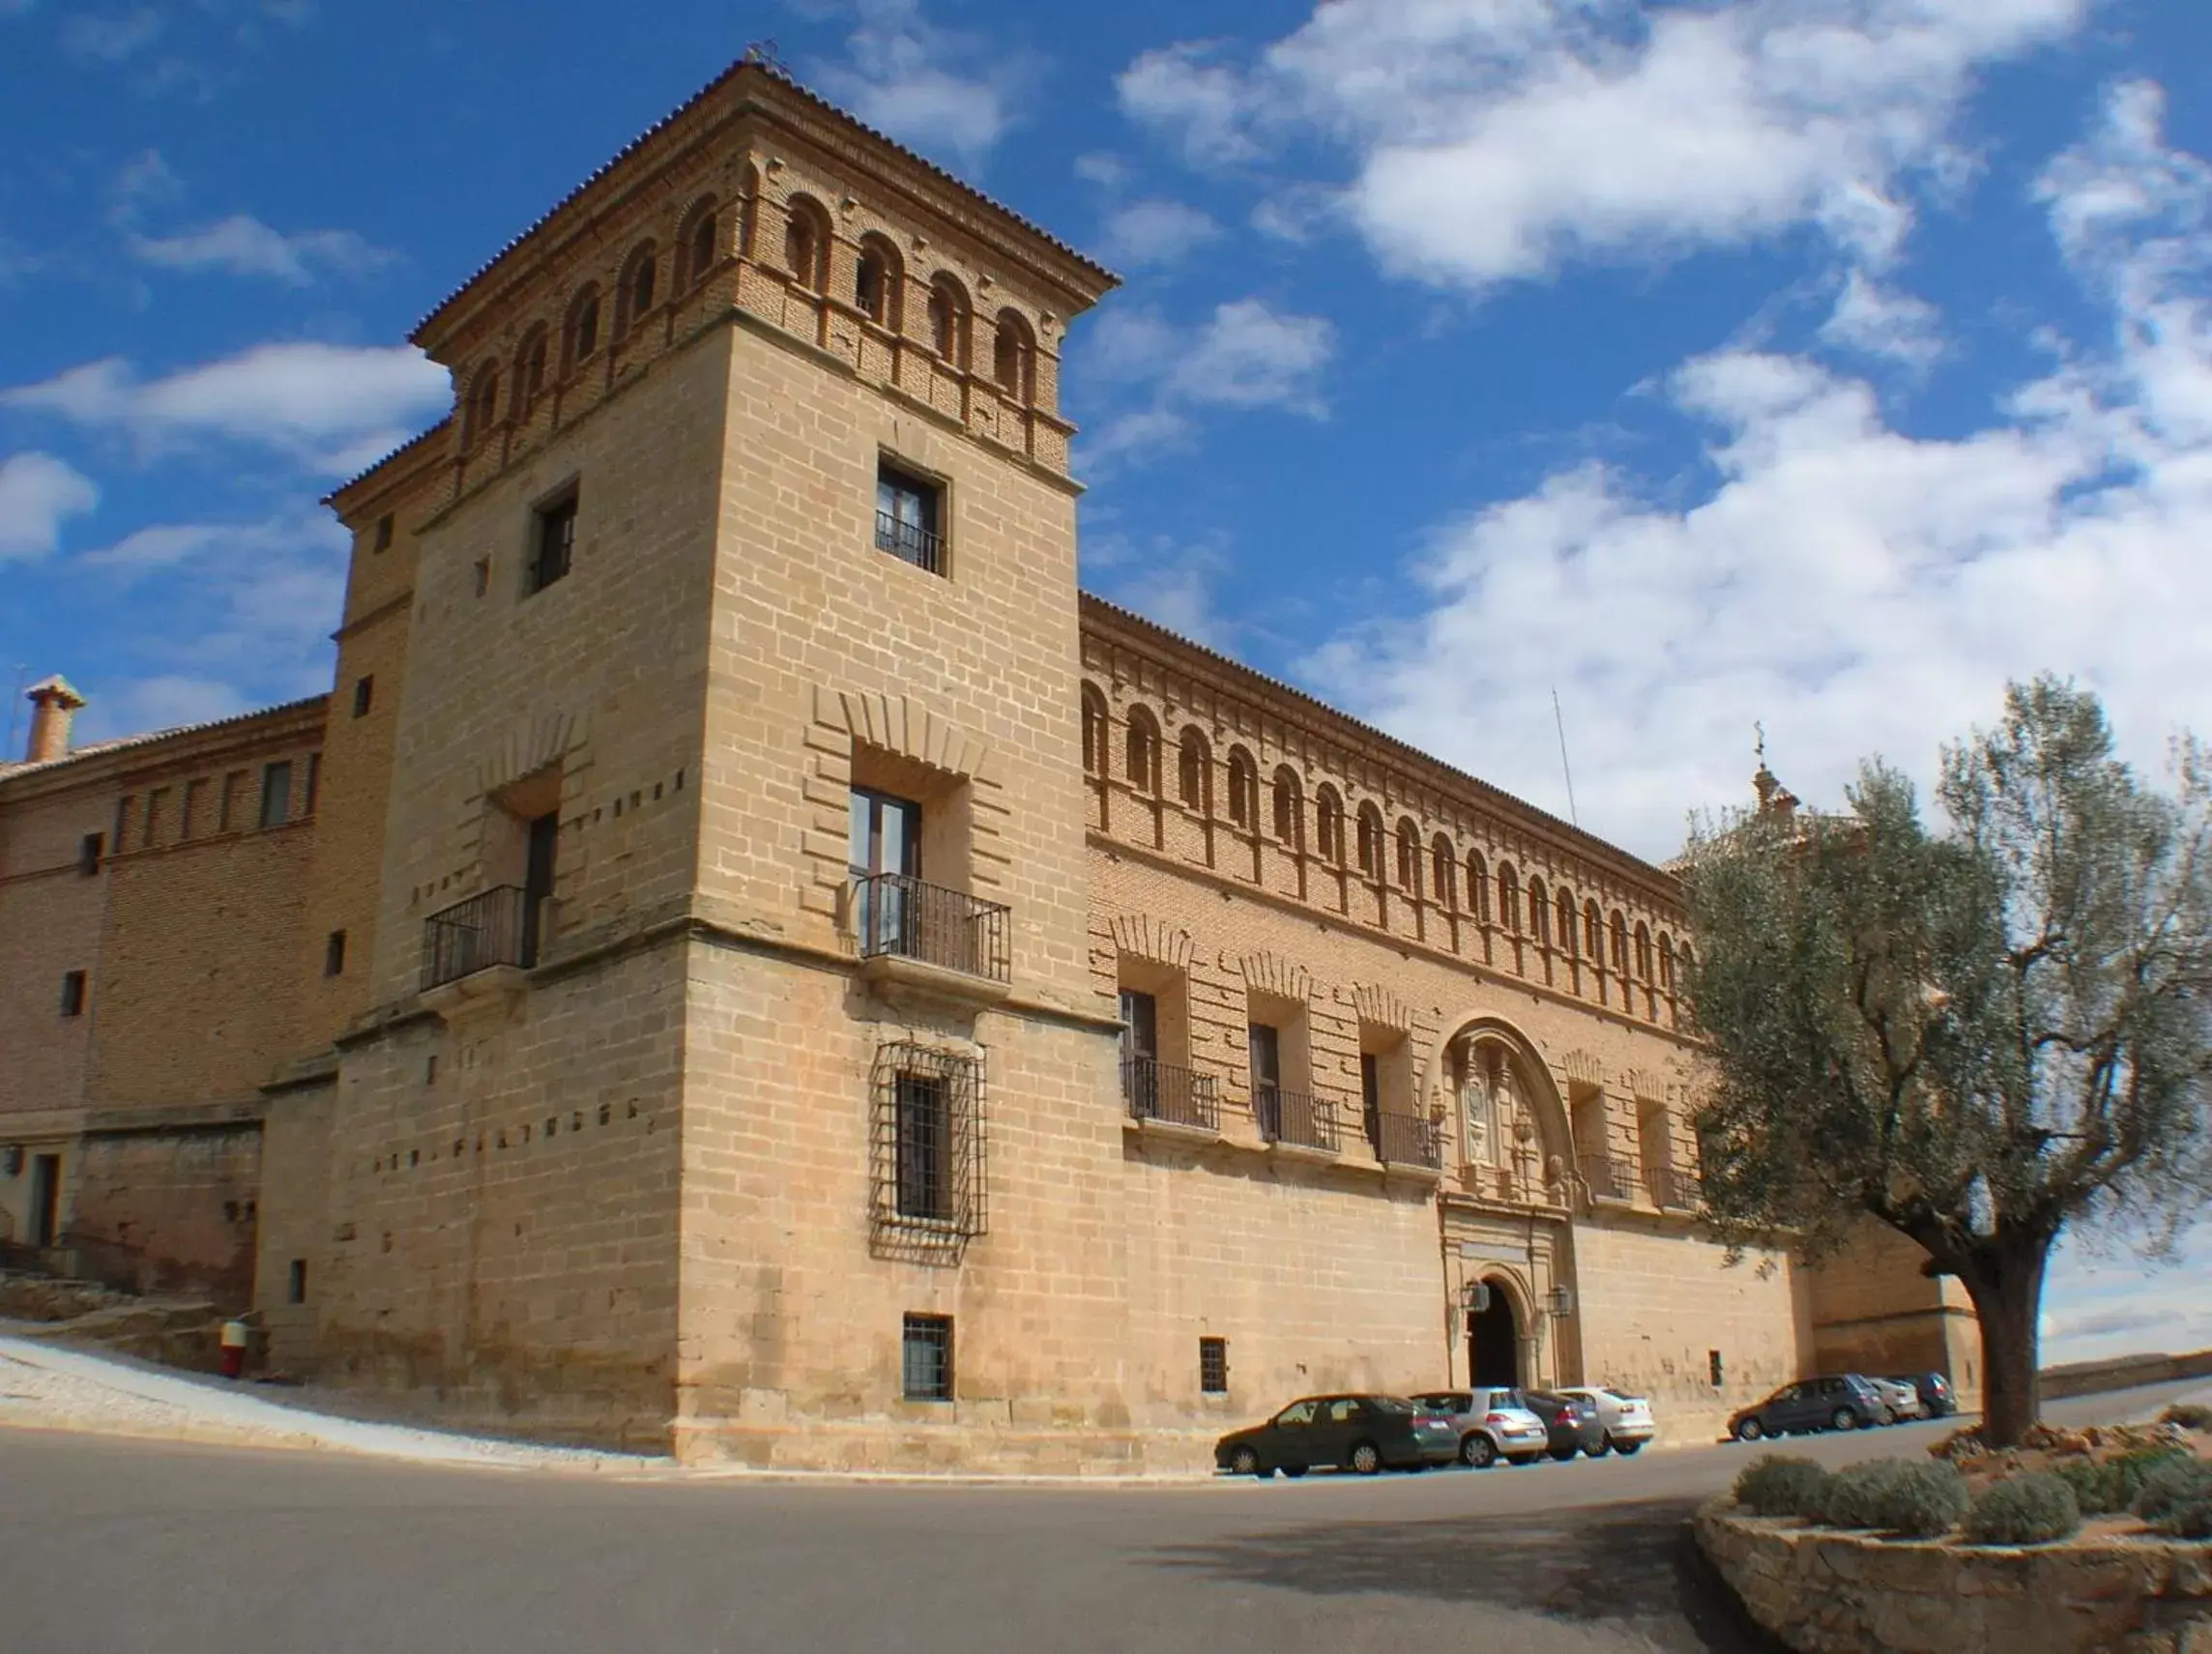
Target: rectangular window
1371,1099
296,1289
233,794
314,782
333,954
275,793
552,543
123,808
1140,1027
157,809
925,1366
924,1147
73,993
1213,1366
928,1147
910,517
364,692
883,845
1264,1047
195,809
88,850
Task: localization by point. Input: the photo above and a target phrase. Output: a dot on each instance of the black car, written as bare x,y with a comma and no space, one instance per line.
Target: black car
1935,1391
1572,1423
1352,1433
1835,1402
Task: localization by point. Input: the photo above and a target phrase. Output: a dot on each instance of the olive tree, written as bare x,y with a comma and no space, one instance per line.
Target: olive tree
1981,1031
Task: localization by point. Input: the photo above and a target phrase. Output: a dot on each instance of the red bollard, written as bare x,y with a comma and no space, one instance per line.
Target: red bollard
233,1345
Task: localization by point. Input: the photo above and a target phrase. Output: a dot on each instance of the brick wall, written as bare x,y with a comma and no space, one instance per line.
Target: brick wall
170,1210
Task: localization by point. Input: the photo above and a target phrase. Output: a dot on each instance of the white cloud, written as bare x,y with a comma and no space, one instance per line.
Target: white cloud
1879,321
1154,233
1495,141
168,701
1246,355
113,39
1860,588
325,404
933,88
38,494
244,245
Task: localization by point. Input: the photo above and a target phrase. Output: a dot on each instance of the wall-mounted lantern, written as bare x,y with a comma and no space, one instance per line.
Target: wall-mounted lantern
1474,1296
12,1159
1561,1301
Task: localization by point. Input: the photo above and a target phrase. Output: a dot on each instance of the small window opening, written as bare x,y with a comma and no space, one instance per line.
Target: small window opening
364,692
552,543
926,1359
296,1284
383,533
910,517
89,850
1213,1366
333,954
73,993
275,793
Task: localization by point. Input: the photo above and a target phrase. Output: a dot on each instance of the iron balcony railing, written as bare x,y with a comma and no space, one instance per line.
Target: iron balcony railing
909,541
492,927
1175,1096
901,917
1293,1116
1406,1139
1674,1190
1609,1179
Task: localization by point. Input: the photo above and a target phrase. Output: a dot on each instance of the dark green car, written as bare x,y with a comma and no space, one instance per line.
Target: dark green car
1349,1432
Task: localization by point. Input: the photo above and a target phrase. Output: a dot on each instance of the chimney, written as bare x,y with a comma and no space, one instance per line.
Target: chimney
54,703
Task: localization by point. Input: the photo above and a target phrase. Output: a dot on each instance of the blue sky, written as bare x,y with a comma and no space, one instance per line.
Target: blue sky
1816,362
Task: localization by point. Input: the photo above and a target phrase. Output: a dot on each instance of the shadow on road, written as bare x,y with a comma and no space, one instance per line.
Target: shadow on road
1632,1567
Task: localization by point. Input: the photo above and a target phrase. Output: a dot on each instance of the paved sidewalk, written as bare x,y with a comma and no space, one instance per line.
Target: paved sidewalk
44,1386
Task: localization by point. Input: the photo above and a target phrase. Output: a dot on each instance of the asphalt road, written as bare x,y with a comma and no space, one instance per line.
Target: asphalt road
116,1547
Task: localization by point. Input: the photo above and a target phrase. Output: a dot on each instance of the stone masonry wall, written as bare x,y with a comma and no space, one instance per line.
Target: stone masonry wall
170,1210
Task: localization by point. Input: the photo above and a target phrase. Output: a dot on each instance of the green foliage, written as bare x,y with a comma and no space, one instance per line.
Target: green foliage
2189,1415
1920,1499
2176,1499
1978,1030
1779,1484
2114,1484
2033,1508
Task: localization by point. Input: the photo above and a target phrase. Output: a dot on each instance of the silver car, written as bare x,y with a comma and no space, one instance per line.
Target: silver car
1492,1425
1903,1399
1627,1419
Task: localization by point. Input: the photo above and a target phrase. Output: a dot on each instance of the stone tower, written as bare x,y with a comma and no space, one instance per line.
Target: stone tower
727,985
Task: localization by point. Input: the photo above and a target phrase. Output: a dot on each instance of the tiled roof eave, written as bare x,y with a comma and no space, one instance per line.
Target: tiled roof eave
1495,798
781,78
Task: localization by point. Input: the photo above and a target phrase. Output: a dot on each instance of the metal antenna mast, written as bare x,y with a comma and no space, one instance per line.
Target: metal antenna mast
1559,722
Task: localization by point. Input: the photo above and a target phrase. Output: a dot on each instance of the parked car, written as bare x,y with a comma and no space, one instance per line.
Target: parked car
1490,1423
1901,1397
1627,1419
1833,1402
1571,1422
1934,1391
1352,1433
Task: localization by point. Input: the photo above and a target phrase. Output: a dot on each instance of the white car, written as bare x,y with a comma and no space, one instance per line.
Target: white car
1903,1397
1627,1419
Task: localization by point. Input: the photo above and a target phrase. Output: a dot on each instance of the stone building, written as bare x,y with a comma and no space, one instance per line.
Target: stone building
748,957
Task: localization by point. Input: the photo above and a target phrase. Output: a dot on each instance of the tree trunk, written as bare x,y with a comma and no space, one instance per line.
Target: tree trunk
2005,1281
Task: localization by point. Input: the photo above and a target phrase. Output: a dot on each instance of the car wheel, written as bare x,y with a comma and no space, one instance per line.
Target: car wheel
1477,1452
1601,1449
1628,1449
1749,1429
1843,1419
1366,1459
1246,1462
1563,1454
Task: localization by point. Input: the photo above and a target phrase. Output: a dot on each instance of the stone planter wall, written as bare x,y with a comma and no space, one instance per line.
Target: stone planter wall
1823,1592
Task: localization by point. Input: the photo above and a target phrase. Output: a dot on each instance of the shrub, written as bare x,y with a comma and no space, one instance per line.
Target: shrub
1895,1496
1778,1485
2176,1499
2189,1415
2115,1484
2030,1509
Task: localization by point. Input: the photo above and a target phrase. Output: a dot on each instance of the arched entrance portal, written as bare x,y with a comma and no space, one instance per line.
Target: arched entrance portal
1494,1341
